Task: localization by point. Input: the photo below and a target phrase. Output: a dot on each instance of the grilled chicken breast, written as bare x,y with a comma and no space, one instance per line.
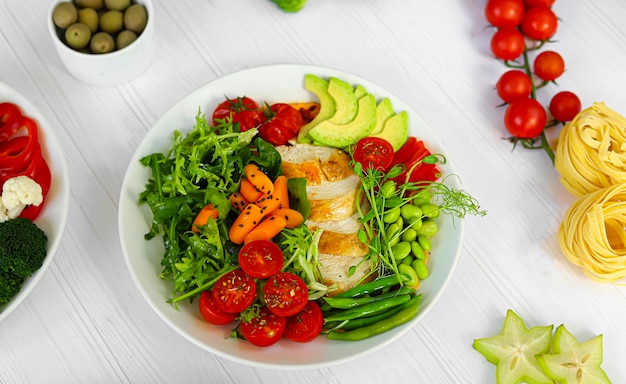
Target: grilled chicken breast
332,191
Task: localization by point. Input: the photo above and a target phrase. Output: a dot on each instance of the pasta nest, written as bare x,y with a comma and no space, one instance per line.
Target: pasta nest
592,234
591,150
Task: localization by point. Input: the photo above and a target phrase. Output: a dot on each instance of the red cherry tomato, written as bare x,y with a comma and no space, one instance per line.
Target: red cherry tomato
234,291
504,13
539,23
285,294
265,329
374,153
261,258
507,43
283,122
525,118
306,325
532,3
211,313
564,106
242,110
549,65
513,84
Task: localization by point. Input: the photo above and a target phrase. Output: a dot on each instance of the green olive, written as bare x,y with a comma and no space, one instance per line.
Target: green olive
93,4
64,14
124,38
135,18
89,17
117,5
102,42
77,35
111,22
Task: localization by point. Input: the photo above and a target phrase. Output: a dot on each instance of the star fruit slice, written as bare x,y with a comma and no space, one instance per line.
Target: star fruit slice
514,351
572,362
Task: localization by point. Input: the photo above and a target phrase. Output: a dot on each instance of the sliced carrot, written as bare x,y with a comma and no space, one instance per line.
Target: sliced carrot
249,191
281,191
258,178
267,229
202,218
294,218
268,203
237,201
247,220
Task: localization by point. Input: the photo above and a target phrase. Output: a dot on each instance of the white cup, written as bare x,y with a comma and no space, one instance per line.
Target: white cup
108,69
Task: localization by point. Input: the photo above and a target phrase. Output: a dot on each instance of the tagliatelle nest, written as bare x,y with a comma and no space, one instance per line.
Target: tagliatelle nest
591,150
592,234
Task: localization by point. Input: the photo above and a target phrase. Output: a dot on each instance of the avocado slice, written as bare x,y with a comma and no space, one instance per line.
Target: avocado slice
342,135
384,110
514,350
574,362
319,87
360,91
345,100
396,130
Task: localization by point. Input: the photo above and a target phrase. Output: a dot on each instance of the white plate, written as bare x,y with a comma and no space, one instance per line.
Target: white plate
264,84
53,216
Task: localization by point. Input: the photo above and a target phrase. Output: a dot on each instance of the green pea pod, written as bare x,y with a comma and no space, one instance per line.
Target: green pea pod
374,286
370,309
407,313
352,302
349,325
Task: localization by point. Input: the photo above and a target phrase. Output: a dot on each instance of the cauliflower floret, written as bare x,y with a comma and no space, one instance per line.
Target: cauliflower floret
17,193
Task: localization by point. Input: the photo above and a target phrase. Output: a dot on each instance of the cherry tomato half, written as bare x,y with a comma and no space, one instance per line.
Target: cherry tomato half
261,258
242,110
285,294
564,106
539,23
283,122
211,313
265,329
306,325
525,118
549,65
513,84
234,291
504,13
507,43
374,153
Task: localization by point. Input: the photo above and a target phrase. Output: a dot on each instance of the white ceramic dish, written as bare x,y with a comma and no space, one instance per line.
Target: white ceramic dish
53,216
108,69
272,84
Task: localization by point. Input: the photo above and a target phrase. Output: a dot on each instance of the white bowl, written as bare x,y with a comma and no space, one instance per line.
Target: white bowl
53,216
272,84
107,69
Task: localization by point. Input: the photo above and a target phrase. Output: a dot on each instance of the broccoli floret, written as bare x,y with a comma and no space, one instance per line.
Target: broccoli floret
290,5
22,252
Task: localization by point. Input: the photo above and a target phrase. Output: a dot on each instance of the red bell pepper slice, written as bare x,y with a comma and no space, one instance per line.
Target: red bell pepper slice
10,119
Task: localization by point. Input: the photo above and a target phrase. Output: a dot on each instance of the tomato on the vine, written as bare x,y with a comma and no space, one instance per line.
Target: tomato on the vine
242,110
283,122
211,313
306,325
513,84
234,291
504,13
539,23
261,258
374,153
285,294
507,43
564,106
525,118
549,65
265,329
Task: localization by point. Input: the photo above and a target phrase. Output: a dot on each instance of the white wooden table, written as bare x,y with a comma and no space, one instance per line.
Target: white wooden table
86,321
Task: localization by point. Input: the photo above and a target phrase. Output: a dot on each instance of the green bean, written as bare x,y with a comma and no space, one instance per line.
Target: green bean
349,325
409,312
352,302
374,286
370,309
